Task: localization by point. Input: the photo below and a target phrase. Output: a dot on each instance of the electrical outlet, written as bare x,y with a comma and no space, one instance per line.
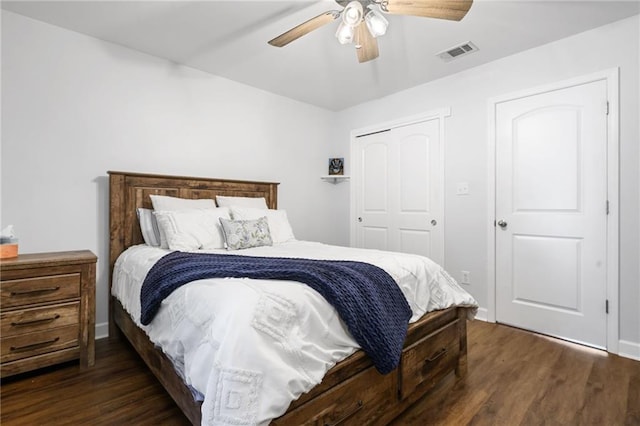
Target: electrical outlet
462,188
465,277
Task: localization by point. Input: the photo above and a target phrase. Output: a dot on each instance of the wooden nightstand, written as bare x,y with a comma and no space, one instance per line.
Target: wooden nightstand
48,310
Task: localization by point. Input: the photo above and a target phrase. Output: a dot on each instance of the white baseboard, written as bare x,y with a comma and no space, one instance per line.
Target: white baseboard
482,314
629,349
102,330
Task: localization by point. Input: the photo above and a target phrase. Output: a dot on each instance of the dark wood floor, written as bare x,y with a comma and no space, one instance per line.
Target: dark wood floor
515,378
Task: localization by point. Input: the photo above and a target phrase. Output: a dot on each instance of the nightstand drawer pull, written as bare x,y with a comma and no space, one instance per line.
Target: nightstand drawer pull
34,345
37,321
39,290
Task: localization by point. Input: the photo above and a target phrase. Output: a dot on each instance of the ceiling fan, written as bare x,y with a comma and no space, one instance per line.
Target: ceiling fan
362,21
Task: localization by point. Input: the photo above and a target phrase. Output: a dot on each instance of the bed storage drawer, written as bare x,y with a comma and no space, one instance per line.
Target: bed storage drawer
428,360
364,399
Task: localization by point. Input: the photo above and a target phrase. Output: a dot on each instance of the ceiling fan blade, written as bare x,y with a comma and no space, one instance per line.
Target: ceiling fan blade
366,44
453,10
304,28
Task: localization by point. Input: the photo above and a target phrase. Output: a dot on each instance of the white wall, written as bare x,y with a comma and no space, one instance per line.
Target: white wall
614,45
74,107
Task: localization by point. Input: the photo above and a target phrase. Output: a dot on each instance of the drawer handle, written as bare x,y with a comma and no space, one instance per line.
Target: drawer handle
348,415
37,321
39,290
34,345
437,355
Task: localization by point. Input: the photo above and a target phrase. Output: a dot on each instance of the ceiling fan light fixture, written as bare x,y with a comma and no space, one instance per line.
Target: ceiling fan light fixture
376,23
345,33
362,21
352,13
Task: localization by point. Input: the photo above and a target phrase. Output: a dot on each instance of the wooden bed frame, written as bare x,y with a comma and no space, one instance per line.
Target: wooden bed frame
352,392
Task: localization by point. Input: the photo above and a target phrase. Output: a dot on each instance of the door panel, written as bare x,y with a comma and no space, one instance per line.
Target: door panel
412,241
374,213
375,237
537,284
414,193
535,135
551,193
375,175
419,169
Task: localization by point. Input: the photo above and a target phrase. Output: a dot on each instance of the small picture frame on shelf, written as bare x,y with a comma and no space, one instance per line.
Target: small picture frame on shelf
336,166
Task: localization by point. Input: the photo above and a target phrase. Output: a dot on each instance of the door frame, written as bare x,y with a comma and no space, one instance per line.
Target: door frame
611,76
439,113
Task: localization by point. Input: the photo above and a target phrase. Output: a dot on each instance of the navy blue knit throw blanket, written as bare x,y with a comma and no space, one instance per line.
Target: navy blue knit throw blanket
367,299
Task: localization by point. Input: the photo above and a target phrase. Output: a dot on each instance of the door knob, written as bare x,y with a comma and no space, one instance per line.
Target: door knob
359,219
434,222
502,224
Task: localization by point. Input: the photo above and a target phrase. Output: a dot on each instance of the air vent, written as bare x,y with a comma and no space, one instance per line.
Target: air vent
457,51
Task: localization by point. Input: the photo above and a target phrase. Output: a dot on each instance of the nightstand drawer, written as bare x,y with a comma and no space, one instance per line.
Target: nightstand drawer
30,344
39,319
28,291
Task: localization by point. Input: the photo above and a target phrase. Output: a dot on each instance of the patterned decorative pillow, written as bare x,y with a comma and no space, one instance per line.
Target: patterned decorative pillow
242,234
279,226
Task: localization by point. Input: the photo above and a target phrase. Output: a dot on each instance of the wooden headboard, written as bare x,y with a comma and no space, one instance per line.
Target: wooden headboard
128,191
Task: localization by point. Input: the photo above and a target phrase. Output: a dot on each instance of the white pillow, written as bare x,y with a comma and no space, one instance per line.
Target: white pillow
278,222
148,227
187,230
253,202
162,203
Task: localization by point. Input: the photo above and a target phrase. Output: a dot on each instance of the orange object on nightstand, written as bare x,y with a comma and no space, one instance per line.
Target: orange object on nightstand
8,251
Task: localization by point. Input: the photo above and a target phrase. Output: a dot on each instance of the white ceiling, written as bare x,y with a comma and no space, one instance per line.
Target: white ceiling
229,39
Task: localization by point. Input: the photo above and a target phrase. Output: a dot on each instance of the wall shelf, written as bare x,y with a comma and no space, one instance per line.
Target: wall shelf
335,179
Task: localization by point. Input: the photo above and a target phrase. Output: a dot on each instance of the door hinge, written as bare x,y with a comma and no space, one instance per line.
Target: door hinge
607,206
606,306
607,107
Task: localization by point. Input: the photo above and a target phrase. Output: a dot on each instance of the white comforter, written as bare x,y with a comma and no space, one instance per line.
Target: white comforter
251,347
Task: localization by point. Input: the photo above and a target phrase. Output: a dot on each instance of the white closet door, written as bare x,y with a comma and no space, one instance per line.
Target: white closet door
399,190
551,183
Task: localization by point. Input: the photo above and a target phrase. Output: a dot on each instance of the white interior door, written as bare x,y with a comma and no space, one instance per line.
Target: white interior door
551,212
398,187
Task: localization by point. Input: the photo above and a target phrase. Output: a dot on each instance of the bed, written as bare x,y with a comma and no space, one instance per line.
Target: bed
352,391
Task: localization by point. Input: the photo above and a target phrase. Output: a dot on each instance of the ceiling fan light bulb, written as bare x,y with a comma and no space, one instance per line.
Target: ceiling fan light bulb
352,13
345,33
376,23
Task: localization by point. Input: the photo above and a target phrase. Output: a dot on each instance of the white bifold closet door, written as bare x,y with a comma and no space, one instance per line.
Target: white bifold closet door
398,185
